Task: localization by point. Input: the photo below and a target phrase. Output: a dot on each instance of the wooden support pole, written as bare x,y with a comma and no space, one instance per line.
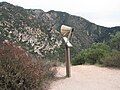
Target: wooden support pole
67,59
66,33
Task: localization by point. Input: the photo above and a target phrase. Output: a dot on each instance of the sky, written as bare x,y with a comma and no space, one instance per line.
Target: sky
101,12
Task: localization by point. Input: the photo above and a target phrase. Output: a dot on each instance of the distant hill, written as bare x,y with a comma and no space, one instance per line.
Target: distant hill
38,31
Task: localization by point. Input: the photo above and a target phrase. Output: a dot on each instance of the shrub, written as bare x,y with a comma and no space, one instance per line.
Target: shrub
79,59
115,41
18,71
102,46
92,55
112,60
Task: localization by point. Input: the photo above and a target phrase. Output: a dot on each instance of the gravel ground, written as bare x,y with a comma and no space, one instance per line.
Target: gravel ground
87,77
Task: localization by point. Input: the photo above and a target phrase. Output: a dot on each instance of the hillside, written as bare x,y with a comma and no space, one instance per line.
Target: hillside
38,31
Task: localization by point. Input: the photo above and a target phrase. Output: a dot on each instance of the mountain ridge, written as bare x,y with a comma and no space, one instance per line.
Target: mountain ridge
39,31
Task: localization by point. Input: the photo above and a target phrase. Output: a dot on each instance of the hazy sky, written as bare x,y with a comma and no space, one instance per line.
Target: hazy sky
101,12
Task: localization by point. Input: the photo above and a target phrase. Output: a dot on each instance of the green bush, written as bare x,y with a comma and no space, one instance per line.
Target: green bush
79,59
112,59
92,55
115,41
18,71
102,46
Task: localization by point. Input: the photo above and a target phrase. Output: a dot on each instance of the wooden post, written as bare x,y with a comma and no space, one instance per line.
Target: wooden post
67,59
66,33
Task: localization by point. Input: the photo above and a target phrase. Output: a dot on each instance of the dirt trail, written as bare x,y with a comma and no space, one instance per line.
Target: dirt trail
87,77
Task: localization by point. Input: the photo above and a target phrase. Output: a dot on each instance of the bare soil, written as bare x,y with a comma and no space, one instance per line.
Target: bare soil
87,77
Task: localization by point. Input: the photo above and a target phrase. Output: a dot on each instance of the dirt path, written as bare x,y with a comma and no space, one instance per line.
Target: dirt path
87,77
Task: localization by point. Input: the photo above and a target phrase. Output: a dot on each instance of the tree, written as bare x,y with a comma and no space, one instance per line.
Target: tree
115,41
92,55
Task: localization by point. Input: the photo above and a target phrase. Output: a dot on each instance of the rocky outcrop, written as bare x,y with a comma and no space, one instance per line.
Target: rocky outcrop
39,32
